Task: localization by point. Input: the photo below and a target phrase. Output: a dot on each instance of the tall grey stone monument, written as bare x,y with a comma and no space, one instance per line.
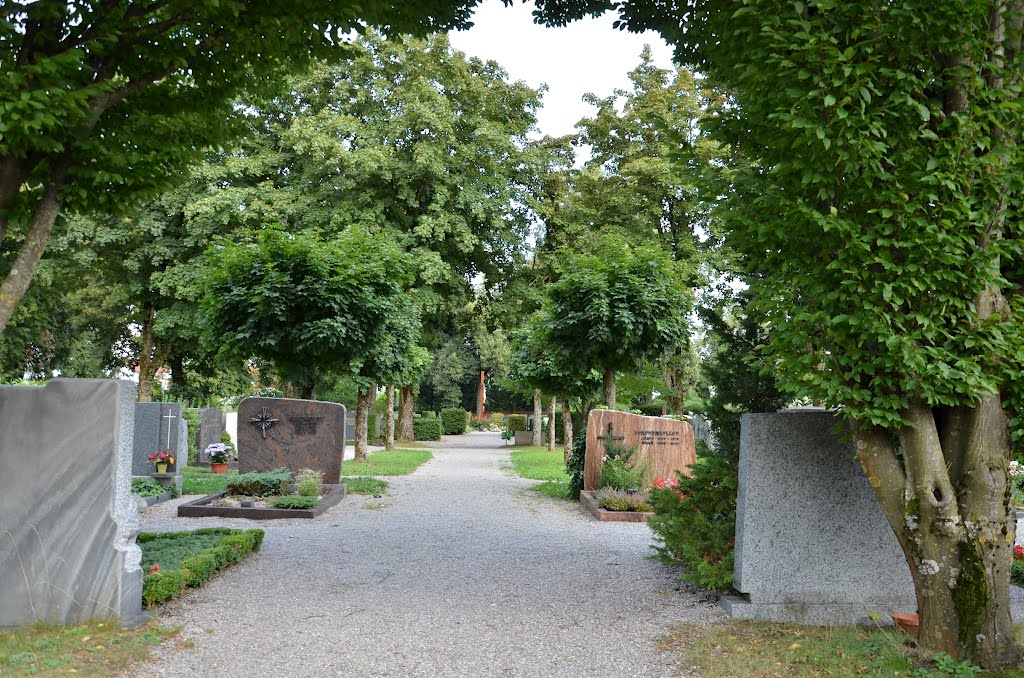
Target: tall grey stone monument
67,516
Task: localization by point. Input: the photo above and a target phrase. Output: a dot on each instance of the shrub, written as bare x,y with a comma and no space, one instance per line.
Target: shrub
162,586
146,487
260,484
620,470
308,482
652,410
371,426
575,466
429,414
292,502
1017,572
193,419
197,569
225,438
453,421
611,499
426,429
498,419
516,422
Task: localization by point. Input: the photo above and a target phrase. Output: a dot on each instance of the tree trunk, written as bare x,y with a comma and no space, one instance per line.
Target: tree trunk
389,419
177,365
608,392
151,355
538,412
551,424
947,497
406,409
566,430
362,418
307,391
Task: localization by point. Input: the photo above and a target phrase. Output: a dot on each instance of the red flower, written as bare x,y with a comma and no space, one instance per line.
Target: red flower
155,568
1018,552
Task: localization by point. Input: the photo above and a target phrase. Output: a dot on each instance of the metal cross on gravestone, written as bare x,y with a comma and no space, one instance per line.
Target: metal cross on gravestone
167,443
263,420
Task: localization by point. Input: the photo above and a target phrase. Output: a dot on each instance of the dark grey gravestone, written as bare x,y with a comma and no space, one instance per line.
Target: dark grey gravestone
812,544
212,424
158,426
297,434
68,519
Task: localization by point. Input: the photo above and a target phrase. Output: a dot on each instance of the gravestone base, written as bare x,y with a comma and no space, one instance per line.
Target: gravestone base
818,612
167,480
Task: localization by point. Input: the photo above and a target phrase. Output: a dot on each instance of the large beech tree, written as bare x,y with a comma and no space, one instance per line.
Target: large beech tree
102,102
884,210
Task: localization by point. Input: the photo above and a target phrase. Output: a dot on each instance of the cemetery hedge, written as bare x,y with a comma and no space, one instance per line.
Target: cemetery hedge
260,484
453,420
426,429
516,422
190,558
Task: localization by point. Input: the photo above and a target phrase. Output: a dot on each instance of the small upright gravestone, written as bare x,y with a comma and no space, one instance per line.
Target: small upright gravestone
212,424
812,544
665,445
297,434
67,517
159,426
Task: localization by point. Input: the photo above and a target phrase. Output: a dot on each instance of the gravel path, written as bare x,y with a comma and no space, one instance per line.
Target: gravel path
457,571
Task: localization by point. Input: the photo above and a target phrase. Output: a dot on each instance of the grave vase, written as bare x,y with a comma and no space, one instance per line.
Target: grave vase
161,468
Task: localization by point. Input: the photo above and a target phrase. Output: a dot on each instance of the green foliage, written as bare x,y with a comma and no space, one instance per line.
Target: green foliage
577,463
426,429
365,485
539,362
611,499
393,463
189,559
1017,572
536,463
621,469
146,487
260,484
198,480
194,420
453,420
308,482
293,502
516,422
694,524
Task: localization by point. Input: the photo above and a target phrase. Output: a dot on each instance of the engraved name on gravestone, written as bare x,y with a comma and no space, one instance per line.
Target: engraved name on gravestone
665,445
297,434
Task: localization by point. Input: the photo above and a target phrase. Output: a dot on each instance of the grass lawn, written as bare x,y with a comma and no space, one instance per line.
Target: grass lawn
536,463
95,649
394,463
736,649
199,480
365,485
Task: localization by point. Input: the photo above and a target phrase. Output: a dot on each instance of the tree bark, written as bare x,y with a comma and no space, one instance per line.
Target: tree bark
362,418
566,430
152,355
551,424
538,412
406,409
389,419
608,393
957,538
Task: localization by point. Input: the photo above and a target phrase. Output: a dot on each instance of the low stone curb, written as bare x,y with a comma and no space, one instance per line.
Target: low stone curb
200,508
589,502
154,499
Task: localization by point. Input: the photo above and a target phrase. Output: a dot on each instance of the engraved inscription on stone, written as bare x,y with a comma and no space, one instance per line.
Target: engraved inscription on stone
304,425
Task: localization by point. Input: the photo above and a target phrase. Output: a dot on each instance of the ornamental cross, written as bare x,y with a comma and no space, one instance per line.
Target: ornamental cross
263,420
168,417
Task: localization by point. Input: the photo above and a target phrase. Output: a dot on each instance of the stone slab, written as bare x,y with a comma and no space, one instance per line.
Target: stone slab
158,426
589,502
296,434
812,544
200,508
68,519
665,445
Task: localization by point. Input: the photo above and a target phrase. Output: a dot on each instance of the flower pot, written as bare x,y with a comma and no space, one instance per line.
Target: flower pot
908,622
219,467
161,468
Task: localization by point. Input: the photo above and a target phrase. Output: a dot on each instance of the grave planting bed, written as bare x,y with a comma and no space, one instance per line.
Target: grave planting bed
589,502
205,507
154,498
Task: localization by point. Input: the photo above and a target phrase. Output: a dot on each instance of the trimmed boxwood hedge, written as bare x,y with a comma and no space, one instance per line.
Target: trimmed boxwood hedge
260,484
516,422
426,429
453,421
196,569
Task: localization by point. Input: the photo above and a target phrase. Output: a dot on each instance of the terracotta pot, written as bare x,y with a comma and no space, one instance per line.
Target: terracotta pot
161,468
219,467
908,622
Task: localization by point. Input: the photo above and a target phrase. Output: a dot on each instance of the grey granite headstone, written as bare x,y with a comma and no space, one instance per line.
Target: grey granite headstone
812,544
158,426
67,516
702,430
212,423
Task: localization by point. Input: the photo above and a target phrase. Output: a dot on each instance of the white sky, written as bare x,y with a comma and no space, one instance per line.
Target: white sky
585,56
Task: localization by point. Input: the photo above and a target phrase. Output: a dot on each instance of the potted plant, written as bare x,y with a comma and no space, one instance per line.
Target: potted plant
162,458
220,455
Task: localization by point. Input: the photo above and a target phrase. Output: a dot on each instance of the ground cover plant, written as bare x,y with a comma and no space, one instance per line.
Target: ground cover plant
174,561
365,485
384,463
537,463
736,649
293,502
94,649
146,487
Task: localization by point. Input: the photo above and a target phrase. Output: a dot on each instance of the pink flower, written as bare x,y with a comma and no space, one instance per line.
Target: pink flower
155,568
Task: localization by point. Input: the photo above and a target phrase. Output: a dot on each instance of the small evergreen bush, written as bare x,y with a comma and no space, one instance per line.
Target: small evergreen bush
308,482
189,558
260,484
146,487
453,421
292,502
193,419
516,422
426,429
159,587
575,466
498,419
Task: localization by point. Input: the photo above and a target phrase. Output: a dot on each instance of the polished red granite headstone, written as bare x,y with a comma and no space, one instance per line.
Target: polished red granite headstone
297,434
665,445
